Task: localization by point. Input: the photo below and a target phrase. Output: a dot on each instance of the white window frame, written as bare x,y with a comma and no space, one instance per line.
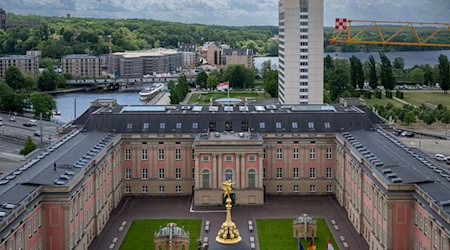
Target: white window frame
161,154
127,154
177,189
205,158
177,173
279,173
312,153
296,188
161,189
329,173
161,173
296,173
127,189
279,153
329,153
329,188
251,158
144,154
228,158
178,154
279,188
296,154
312,188
127,173
144,189
312,173
144,173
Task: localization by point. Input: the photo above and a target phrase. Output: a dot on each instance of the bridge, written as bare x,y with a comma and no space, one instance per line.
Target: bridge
126,81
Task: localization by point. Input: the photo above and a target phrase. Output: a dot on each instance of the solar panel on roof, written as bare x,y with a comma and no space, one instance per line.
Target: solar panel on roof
243,108
143,109
186,108
213,109
197,108
271,107
260,108
228,109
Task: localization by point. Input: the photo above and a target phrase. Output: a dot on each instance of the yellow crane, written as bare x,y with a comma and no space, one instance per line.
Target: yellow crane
352,31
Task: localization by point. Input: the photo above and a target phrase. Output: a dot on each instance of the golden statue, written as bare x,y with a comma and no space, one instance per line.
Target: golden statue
228,233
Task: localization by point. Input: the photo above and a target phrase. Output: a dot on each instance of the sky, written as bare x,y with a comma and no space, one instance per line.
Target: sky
232,12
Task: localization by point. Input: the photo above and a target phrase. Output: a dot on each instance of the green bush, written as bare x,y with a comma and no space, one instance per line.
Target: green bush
29,147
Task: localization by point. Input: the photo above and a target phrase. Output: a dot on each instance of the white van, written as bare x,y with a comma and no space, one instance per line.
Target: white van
440,157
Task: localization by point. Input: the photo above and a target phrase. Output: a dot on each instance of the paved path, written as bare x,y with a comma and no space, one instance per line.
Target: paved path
179,208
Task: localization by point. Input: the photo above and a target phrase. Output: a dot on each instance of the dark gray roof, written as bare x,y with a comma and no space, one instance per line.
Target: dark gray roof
241,52
183,119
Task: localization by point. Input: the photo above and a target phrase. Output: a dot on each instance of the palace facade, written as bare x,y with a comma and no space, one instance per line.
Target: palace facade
62,198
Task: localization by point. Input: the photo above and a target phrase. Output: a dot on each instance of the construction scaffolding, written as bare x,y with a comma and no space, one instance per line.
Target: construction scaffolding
357,32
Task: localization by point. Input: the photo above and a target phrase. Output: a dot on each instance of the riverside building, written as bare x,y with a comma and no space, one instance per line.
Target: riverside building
300,61
28,65
62,198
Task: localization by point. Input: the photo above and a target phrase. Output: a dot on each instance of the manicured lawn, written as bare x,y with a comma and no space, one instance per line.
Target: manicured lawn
204,98
384,101
277,234
141,233
434,98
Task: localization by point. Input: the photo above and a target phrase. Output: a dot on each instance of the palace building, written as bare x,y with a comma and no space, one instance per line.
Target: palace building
62,198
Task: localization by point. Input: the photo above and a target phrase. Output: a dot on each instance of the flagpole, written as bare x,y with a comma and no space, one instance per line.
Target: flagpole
228,93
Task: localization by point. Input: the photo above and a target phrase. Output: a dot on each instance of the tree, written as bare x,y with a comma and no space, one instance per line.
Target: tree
444,73
446,117
356,73
14,78
239,76
409,118
428,118
42,104
373,78
328,62
9,99
339,83
427,75
265,68
212,81
416,76
270,83
202,79
387,76
49,80
399,63
29,83
28,147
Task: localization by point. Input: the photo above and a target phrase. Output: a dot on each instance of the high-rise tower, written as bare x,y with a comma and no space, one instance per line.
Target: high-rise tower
300,79
2,19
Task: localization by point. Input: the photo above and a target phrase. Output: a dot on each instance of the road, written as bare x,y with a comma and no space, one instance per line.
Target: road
16,130
9,156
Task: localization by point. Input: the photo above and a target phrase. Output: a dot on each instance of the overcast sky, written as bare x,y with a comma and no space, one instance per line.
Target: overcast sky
231,12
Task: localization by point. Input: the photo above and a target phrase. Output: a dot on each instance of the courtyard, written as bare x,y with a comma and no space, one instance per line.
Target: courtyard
276,207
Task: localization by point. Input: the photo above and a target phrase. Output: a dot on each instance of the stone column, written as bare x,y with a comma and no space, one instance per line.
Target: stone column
220,172
237,172
214,172
259,183
197,172
243,172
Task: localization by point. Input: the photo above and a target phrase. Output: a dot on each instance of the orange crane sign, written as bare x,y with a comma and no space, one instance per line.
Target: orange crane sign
352,31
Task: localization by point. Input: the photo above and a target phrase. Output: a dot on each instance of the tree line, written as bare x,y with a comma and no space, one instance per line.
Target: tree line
344,78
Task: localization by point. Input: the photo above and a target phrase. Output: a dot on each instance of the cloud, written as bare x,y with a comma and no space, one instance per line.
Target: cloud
232,12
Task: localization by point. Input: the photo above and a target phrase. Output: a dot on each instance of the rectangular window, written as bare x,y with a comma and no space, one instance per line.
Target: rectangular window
312,188
310,125
312,153
329,153
296,154
327,125
329,188
195,125
279,153
279,188
127,189
264,173
312,173
161,173
127,154
144,154
193,173
177,189
129,125
329,173
294,125
162,125
278,125
205,158
178,125
262,125
145,173
296,174
127,173
251,158
161,154
228,158
177,173
146,125
161,189
279,173
177,154
144,189
296,188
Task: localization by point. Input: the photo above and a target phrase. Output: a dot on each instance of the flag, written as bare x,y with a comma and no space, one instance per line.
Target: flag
312,246
341,24
223,86
330,246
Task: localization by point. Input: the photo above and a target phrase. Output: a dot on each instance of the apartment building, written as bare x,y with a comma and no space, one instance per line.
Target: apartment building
81,65
300,50
394,195
136,64
2,19
221,55
28,65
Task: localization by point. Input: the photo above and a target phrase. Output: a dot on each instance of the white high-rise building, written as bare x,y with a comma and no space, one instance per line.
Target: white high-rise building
300,63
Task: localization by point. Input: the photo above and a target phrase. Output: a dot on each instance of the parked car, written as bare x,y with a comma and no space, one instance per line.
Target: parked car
1,124
1,118
37,133
440,157
12,119
448,160
407,134
28,124
33,122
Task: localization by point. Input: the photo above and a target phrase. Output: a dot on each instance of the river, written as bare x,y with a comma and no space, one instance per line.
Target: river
130,96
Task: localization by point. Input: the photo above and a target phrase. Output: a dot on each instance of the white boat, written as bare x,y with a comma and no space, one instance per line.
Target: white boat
150,92
56,112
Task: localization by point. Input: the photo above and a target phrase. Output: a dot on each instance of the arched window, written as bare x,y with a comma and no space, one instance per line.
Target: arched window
205,175
251,178
229,174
